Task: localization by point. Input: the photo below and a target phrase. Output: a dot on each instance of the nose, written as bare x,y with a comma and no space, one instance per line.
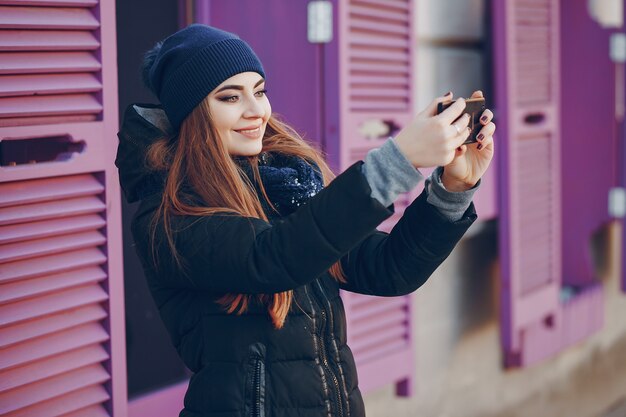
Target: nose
254,108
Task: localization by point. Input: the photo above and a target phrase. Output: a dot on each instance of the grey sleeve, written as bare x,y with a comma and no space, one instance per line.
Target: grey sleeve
389,173
451,204
387,184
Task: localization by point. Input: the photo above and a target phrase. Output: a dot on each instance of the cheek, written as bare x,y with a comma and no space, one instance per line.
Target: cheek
268,109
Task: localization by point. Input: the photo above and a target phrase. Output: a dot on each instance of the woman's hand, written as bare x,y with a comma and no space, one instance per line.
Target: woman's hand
471,161
430,139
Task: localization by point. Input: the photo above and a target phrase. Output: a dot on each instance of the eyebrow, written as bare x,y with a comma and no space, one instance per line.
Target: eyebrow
239,87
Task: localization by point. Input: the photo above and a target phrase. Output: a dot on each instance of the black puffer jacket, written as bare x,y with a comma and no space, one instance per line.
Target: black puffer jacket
242,365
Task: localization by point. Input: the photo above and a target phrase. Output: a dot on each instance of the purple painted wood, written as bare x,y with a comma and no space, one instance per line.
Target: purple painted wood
277,31
589,143
62,330
535,322
527,92
622,163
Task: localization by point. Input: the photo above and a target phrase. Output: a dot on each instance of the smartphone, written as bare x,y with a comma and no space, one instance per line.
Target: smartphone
474,107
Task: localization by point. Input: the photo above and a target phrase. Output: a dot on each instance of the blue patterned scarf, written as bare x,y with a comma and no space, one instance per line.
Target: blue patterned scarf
288,181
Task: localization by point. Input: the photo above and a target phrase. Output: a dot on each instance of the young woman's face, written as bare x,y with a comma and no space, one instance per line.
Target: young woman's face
240,111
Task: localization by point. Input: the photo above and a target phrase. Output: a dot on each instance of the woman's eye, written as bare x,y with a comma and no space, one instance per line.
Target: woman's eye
261,93
229,99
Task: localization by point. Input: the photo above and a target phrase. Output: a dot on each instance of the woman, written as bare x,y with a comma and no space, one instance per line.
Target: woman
246,237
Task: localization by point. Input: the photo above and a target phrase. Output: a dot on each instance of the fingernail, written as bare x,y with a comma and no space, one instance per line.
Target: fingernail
484,118
480,146
447,94
458,149
480,136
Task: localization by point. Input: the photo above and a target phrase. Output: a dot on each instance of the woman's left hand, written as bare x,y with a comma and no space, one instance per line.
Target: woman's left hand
471,161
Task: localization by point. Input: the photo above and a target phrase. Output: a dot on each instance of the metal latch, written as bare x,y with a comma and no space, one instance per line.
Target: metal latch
617,202
320,21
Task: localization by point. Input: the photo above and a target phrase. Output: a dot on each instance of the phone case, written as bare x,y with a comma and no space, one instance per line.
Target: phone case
475,108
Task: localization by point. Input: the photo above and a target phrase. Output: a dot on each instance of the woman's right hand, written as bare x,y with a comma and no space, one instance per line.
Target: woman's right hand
431,139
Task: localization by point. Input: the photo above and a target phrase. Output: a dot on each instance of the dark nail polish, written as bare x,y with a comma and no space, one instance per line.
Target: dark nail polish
484,118
480,137
480,146
447,94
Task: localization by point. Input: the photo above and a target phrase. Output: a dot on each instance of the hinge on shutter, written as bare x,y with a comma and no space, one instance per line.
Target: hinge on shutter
617,202
320,21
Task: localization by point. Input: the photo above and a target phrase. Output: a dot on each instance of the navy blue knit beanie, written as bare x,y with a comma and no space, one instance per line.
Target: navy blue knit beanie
185,67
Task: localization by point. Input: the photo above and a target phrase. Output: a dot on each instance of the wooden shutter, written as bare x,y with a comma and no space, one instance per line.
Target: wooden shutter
62,346
50,70
375,80
534,322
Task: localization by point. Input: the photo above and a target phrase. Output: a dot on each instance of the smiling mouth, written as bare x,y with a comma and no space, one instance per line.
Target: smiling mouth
251,133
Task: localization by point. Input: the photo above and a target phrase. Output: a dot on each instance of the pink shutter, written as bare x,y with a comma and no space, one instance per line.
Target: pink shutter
62,347
375,41
534,323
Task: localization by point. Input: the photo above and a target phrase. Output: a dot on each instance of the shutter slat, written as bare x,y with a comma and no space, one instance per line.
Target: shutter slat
50,209
46,228
400,68
49,3
372,91
70,405
56,302
393,30
18,290
392,331
48,62
381,54
51,264
363,40
55,365
378,322
74,401
50,245
53,344
49,105
66,318
368,80
363,310
55,388
48,40
362,12
378,106
28,85
47,120
12,17
401,7
379,351
91,411
32,191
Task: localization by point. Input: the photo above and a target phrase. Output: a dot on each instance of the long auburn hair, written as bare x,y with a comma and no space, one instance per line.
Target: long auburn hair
196,157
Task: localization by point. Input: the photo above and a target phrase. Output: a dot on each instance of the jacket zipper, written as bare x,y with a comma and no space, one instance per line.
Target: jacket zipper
257,409
325,361
337,358
320,346
330,371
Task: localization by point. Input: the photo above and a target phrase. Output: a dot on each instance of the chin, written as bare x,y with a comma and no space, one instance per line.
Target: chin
250,149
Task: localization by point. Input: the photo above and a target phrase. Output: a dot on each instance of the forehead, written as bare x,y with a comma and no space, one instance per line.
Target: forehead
245,79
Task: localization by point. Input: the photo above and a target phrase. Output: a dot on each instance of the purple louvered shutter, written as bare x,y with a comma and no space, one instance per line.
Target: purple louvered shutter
62,345
374,41
534,322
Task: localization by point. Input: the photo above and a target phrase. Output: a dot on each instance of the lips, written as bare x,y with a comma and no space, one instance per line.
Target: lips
250,132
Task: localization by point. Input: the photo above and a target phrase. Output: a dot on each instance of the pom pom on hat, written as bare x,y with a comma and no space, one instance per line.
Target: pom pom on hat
148,61
185,67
